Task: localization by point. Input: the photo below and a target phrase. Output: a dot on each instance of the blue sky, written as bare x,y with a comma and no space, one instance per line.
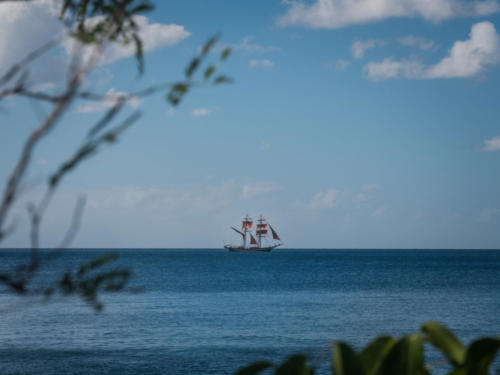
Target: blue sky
350,124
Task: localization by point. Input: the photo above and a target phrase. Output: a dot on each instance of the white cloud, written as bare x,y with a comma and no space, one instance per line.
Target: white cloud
265,145
170,202
247,44
380,211
25,26
360,197
359,47
414,41
111,98
341,65
488,214
492,144
332,14
201,112
370,187
390,68
324,200
134,215
365,193
466,58
152,35
264,63
259,188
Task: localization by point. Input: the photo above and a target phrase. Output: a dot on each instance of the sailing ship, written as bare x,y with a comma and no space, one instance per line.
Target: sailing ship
249,242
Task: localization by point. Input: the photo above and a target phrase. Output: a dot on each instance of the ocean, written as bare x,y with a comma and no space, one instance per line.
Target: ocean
209,311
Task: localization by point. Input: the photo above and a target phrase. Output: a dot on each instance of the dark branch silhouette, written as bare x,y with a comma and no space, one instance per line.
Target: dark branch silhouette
112,22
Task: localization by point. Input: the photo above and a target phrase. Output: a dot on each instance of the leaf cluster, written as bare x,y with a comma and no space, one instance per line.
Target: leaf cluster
98,21
181,88
387,355
89,279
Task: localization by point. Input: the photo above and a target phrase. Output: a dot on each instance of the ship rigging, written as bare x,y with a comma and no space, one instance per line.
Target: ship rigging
249,242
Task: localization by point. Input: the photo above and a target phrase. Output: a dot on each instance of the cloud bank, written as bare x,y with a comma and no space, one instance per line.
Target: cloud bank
25,26
324,199
259,188
334,14
492,144
264,63
153,36
201,112
466,58
414,41
359,47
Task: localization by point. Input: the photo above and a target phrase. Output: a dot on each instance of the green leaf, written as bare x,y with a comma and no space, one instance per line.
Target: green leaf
458,371
142,8
85,37
66,284
480,355
209,44
210,70
254,368
177,92
374,353
406,357
441,338
82,8
96,263
138,53
181,87
345,361
192,66
225,54
222,79
64,8
294,365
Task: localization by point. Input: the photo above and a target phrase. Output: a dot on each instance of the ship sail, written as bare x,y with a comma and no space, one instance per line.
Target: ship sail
261,230
275,235
247,224
253,241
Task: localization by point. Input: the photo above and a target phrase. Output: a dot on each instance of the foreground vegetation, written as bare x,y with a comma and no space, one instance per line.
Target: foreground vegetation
386,355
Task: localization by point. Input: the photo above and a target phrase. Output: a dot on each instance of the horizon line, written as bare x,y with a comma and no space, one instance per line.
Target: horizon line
220,248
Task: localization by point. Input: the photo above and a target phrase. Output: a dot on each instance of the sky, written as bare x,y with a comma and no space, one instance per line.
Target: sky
349,124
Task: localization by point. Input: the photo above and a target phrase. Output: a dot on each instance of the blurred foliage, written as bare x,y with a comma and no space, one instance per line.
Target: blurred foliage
97,23
91,278
180,89
387,355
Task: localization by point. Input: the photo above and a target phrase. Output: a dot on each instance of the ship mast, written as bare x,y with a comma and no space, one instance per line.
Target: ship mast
261,229
246,226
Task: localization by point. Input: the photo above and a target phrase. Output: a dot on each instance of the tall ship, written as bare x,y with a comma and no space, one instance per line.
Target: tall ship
255,242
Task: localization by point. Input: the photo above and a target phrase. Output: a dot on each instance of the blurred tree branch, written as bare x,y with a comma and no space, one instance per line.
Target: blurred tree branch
93,25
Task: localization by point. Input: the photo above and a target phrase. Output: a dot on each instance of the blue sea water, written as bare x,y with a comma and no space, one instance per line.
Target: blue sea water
210,311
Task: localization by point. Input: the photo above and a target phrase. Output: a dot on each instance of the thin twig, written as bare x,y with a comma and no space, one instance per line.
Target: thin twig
75,224
26,153
106,119
28,59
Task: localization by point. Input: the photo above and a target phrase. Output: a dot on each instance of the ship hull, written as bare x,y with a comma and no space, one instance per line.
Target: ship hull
239,249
